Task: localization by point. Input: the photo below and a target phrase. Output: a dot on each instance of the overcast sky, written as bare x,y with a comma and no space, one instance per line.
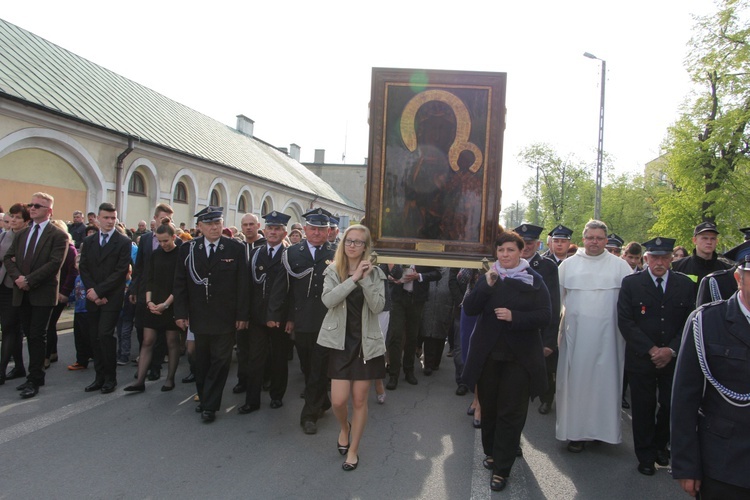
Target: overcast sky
302,70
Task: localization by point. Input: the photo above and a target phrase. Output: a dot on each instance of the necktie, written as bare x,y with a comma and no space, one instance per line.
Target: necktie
317,249
659,288
29,256
270,252
104,238
211,247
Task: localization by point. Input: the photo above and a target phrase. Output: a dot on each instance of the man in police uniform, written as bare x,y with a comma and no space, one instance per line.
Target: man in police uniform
711,396
266,345
651,310
720,285
298,293
211,297
559,242
548,270
333,232
704,260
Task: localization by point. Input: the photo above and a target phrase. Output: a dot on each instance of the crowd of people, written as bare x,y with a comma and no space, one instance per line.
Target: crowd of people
579,328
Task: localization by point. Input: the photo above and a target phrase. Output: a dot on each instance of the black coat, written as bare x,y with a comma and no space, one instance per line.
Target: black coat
139,279
696,268
547,269
263,274
421,292
722,281
105,269
711,437
212,309
646,319
299,298
531,310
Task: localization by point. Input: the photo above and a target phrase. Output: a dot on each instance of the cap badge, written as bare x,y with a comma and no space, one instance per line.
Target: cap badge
658,241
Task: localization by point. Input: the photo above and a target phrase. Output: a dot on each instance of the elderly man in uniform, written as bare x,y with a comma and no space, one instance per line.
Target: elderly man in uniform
559,241
711,398
590,368
266,344
651,311
297,293
211,297
548,270
720,285
704,260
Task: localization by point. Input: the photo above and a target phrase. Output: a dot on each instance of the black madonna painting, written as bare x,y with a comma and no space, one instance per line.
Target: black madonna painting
435,160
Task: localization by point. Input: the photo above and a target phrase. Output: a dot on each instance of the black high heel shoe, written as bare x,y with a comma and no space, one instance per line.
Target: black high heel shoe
343,450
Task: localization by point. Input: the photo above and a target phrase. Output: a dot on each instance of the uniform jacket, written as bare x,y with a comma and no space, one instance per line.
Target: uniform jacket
215,308
333,331
530,308
263,274
44,278
646,320
302,296
421,290
711,437
139,280
547,269
722,282
105,269
696,268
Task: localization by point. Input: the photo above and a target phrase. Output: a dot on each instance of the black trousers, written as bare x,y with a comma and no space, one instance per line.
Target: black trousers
550,363
711,489
52,329
104,343
34,321
650,427
82,338
504,396
213,355
316,385
406,316
10,322
433,352
243,356
305,343
267,348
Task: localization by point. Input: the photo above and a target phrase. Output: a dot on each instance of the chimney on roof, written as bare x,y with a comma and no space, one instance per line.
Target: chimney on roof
283,150
320,156
294,151
245,125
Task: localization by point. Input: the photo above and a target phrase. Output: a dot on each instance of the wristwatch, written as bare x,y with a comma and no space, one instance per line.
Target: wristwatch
674,354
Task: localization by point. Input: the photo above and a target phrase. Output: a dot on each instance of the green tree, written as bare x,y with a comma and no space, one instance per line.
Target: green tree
629,205
514,215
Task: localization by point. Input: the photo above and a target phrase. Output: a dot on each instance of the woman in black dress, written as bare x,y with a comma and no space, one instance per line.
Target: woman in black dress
160,314
354,293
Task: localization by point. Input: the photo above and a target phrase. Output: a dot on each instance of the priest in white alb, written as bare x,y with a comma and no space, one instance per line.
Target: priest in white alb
592,351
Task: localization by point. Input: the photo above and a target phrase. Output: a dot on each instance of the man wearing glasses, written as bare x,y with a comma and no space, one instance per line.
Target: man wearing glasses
33,262
590,367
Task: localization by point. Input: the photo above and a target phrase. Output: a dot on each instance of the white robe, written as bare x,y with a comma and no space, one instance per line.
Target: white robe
592,351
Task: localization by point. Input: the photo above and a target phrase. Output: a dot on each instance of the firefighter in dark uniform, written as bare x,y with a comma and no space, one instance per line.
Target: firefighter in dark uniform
614,244
651,311
548,270
297,291
266,345
711,398
559,242
720,285
211,297
704,260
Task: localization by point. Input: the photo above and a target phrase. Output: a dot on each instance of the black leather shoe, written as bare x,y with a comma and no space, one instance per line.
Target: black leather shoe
199,409
461,390
544,408
245,409
96,386
153,375
208,416
30,391
392,383
24,385
488,463
348,466
15,373
134,388
108,387
239,389
427,371
498,483
189,379
625,404
662,458
309,427
646,469
576,446
276,403
411,379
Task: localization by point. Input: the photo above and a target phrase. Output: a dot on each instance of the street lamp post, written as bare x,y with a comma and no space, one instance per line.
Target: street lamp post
600,150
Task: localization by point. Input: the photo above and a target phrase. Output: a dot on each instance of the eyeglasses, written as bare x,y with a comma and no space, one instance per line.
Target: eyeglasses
36,205
354,243
594,238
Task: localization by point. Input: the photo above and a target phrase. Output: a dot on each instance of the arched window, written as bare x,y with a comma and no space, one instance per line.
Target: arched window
266,207
137,184
215,199
180,193
242,205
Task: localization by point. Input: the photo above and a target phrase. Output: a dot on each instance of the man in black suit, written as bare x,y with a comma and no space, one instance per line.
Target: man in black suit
652,307
137,290
265,345
548,270
297,291
710,411
105,259
211,297
408,296
33,261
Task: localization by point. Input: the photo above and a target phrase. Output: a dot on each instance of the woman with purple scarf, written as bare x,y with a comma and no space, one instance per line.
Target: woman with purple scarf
505,359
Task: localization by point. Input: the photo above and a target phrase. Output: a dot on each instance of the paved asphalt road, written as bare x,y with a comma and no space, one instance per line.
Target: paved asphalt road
65,443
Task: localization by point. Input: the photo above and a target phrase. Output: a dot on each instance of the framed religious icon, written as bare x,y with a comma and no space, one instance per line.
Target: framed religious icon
435,163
